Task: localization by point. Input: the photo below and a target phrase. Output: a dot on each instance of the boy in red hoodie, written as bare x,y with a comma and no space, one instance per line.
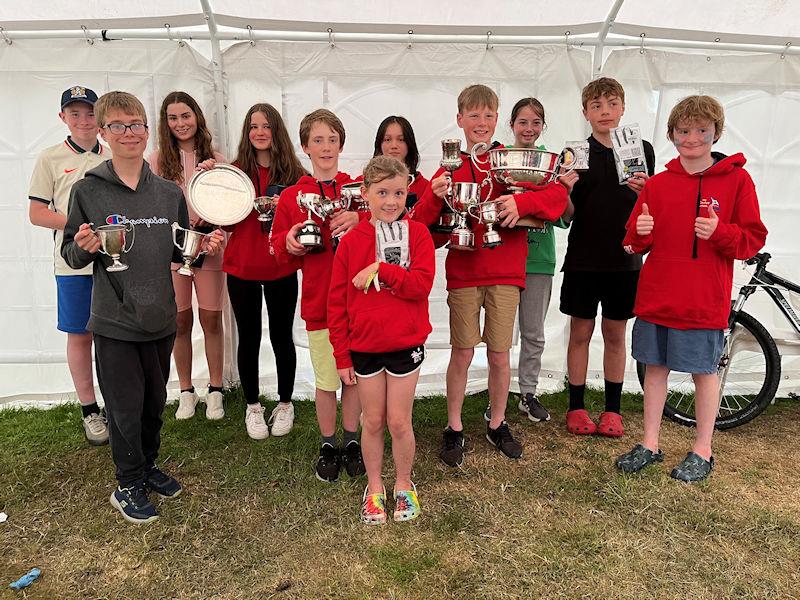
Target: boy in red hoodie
378,334
322,138
488,278
694,219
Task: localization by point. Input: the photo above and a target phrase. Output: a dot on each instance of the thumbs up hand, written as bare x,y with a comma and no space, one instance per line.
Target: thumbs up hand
644,222
704,227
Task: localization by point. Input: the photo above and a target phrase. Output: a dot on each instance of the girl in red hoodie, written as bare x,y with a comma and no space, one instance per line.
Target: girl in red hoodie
378,319
694,220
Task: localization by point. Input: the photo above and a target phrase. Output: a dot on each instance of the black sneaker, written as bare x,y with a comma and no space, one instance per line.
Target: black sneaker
134,505
353,462
487,414
452,452
162,484
638,458
329,463
693,468
502,439
530,405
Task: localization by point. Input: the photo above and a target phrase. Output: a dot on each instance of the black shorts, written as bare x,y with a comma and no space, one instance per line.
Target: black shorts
582,291
398,364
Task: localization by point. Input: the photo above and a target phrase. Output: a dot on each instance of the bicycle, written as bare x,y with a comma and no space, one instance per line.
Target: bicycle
750,365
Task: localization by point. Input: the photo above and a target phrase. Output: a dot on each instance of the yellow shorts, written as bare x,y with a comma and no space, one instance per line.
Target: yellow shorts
325,374
499,303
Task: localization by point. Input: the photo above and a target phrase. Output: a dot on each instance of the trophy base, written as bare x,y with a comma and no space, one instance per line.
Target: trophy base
116,267
492,243
263,218
185,270
532,223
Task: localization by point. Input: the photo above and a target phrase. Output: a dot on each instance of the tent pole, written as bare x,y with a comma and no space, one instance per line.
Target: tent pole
216,64
597,59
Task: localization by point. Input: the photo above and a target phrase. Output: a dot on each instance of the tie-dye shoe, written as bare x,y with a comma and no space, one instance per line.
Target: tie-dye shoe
406,504
373,508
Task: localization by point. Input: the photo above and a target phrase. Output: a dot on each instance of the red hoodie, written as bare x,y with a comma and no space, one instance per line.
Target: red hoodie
504,265
678,287
247,255
394,318
316,266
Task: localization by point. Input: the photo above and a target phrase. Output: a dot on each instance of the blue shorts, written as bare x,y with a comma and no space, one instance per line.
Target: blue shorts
684,350
74,302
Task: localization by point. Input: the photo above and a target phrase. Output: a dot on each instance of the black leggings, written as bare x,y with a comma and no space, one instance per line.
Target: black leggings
281,298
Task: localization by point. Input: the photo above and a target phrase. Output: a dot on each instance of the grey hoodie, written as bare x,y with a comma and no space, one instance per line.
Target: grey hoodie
138,304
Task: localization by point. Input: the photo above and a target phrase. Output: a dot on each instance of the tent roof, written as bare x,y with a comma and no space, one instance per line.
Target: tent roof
772,22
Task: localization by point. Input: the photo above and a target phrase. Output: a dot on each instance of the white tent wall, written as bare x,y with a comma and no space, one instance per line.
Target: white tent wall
363,83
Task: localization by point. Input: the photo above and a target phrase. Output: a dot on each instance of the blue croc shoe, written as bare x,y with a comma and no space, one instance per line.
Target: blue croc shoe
693,468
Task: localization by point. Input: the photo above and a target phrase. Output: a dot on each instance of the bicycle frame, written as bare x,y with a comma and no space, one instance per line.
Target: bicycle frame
770,283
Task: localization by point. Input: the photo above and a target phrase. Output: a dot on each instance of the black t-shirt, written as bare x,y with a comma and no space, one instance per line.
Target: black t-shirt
602,207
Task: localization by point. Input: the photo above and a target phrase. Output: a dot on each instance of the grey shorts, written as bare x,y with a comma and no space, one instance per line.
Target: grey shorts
684,350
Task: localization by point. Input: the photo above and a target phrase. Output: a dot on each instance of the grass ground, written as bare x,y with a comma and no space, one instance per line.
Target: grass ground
253,522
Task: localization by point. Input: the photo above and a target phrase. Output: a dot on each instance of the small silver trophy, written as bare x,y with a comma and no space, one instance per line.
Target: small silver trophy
113,243
192,247
460,200
352,192
265,206
310,235
487,214
451,161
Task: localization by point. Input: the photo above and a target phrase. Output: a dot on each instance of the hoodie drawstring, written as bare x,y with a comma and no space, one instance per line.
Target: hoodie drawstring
697,214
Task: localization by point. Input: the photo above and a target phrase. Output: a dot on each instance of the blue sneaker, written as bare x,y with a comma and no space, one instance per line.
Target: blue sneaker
162,484
133,504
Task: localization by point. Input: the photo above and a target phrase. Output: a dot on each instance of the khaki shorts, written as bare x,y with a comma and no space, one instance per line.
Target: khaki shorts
325,374
500,308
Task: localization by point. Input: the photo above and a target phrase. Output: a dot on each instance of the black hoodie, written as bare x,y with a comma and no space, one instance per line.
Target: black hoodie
138,304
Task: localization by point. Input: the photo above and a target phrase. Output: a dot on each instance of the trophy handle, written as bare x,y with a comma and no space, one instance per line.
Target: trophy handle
175,228
472,214
560,163
411,179
129,227
100,249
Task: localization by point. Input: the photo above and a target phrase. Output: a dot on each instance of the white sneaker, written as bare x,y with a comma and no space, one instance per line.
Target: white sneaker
95,428
186,404
282,418
214,408
254,422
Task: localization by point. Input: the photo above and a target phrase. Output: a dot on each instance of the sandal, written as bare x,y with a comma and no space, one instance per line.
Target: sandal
373,508
638,458
693,468
611,425
580,423
406,504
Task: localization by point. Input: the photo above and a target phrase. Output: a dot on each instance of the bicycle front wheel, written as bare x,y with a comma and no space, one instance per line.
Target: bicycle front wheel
749,372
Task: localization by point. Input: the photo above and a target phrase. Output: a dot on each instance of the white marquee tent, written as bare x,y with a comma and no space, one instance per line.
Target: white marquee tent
365,61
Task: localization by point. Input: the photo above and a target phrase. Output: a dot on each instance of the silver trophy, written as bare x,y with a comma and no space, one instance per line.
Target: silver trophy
460,200
310,235
113,243
192,247
265,206
451,161
512,166
487,213
352,191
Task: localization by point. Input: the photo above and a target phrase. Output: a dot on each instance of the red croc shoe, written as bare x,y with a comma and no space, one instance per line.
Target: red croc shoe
611,425
580,423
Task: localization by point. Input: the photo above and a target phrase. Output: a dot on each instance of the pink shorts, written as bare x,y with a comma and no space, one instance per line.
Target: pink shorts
209,287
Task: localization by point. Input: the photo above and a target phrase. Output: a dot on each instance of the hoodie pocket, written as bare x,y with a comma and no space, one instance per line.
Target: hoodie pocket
149,305
382,325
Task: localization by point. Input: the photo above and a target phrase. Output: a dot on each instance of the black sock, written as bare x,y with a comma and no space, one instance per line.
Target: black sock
191,390
90,409
214,388
329,439
285,401
349,436
576,396
613,396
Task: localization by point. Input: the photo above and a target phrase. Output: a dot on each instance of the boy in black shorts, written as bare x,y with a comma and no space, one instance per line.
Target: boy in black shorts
596,269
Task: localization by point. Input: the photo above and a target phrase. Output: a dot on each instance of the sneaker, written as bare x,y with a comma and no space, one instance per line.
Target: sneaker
693,468
186,404
529,404
487,414
254,422
282,418
162,484
214,409
329,463
95,428
638,458
406,504
502,439
352,459
133,504
452,452
373,508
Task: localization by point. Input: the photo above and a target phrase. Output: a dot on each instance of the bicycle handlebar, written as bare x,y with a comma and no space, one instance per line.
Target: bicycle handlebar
761,259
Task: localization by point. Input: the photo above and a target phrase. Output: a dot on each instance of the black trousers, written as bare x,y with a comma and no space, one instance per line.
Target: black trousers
133,379
281,299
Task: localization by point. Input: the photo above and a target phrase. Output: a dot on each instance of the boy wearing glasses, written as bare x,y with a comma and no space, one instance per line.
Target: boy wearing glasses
133,311
56,170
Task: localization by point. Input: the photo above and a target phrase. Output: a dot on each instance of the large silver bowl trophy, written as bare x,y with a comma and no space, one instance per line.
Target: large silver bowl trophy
310,235
512,166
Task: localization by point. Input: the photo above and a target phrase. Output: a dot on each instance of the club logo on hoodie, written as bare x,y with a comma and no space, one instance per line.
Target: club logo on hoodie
148,221
705,202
